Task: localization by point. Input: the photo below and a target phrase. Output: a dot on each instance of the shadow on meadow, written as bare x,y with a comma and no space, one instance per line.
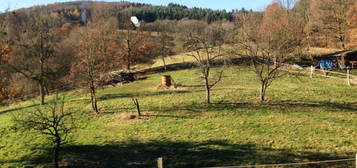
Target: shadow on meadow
145,94
18,108
134,154
251,107
195,109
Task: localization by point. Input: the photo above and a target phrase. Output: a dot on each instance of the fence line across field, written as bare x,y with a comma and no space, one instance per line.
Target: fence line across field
288,164
347,76
333,72
302,72
161,165
351,79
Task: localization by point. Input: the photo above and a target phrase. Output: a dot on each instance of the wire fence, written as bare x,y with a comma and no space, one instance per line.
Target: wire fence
160,163
289,164
313,72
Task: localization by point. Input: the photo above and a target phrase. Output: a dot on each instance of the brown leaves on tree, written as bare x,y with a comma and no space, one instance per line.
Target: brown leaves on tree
270,42
4,53
133,47
352,21
5,91
329,22
92,60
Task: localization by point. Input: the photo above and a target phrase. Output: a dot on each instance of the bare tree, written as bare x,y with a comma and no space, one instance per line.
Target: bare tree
5,50
93,59
137,105
205,45
270,42
165,42
87,64
53,121
329,18
352,22
34,51
134,47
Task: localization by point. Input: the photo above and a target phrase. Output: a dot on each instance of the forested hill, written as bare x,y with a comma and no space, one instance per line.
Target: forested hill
176,12
76,11
84,11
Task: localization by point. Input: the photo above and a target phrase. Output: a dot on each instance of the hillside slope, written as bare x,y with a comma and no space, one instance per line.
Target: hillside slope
304,120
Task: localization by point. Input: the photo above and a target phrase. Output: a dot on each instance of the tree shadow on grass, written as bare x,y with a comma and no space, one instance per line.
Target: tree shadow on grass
146,94
176,154
18,108
193,86
282,106
334,106
299,106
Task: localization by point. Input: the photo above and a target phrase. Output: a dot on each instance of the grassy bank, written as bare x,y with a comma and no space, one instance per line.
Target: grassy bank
303,120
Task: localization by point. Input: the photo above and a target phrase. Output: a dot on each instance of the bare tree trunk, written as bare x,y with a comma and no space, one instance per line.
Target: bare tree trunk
42,93
47,90
164,62
129,50
94,102
262,92
41,81
94,98
343,45
128,66
56,153
137,105
208,90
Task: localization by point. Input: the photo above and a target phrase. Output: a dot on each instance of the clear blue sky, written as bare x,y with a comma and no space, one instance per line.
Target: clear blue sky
213,4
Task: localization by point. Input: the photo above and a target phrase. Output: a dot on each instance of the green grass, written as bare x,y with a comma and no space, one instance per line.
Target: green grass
303,120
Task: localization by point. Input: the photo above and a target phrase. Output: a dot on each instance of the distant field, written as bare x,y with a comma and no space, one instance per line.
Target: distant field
183,58
303,120
322,51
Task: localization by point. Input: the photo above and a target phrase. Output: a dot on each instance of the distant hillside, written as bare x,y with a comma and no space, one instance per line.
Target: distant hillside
176,12
85,11
80,11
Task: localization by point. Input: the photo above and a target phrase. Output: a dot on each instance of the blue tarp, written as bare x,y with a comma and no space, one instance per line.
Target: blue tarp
326,64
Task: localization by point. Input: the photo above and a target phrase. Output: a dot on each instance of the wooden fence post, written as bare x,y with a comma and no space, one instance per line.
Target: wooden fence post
137,105
356,160
348,78
324,71
160,163
312,71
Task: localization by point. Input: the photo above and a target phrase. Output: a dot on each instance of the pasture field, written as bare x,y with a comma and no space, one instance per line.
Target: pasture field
303,120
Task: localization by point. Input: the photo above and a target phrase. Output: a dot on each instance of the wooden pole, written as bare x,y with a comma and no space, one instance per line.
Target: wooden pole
323,70
312,71
137,105
356,160
348,78
160,163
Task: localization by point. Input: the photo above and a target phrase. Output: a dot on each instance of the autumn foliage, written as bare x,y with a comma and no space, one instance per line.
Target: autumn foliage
82,53
132,48
92,60
271,14
5,92
352,21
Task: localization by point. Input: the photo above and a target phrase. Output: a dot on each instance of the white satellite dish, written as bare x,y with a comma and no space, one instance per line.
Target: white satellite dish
135,21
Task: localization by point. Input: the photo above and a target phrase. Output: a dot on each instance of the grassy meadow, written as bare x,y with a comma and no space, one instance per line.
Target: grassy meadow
303,120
